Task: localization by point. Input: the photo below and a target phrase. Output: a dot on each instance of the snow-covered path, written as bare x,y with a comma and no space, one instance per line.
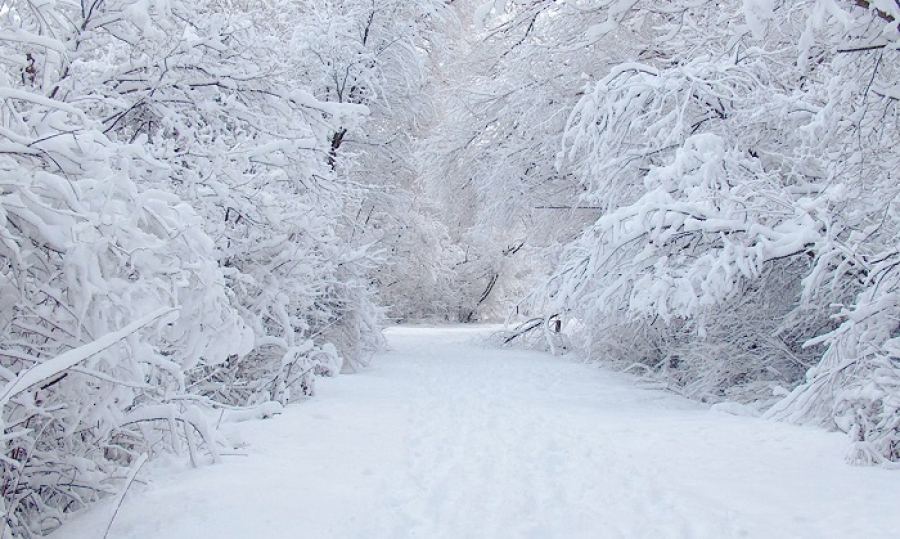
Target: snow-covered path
443,437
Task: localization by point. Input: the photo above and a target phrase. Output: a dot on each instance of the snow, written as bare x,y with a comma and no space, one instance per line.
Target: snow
758,14
484,11
50,368
447,437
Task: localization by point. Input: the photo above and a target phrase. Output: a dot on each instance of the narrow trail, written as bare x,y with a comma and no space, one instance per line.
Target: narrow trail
444,437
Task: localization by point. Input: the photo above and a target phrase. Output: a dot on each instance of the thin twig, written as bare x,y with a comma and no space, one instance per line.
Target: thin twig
132,473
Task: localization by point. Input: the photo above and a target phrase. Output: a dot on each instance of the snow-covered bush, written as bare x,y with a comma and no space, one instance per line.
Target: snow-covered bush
84,254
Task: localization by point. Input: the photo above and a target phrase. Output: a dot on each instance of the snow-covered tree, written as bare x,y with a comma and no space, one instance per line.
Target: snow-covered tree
744,166
380,54
247,146
743,159
491,158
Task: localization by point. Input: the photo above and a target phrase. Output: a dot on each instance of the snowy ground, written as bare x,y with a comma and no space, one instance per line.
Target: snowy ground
444,437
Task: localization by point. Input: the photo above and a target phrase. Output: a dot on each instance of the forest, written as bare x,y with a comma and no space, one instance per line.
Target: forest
206,205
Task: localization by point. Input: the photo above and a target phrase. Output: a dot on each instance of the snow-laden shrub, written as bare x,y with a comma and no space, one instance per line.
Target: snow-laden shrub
83,255
855,387
748,348
699,279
